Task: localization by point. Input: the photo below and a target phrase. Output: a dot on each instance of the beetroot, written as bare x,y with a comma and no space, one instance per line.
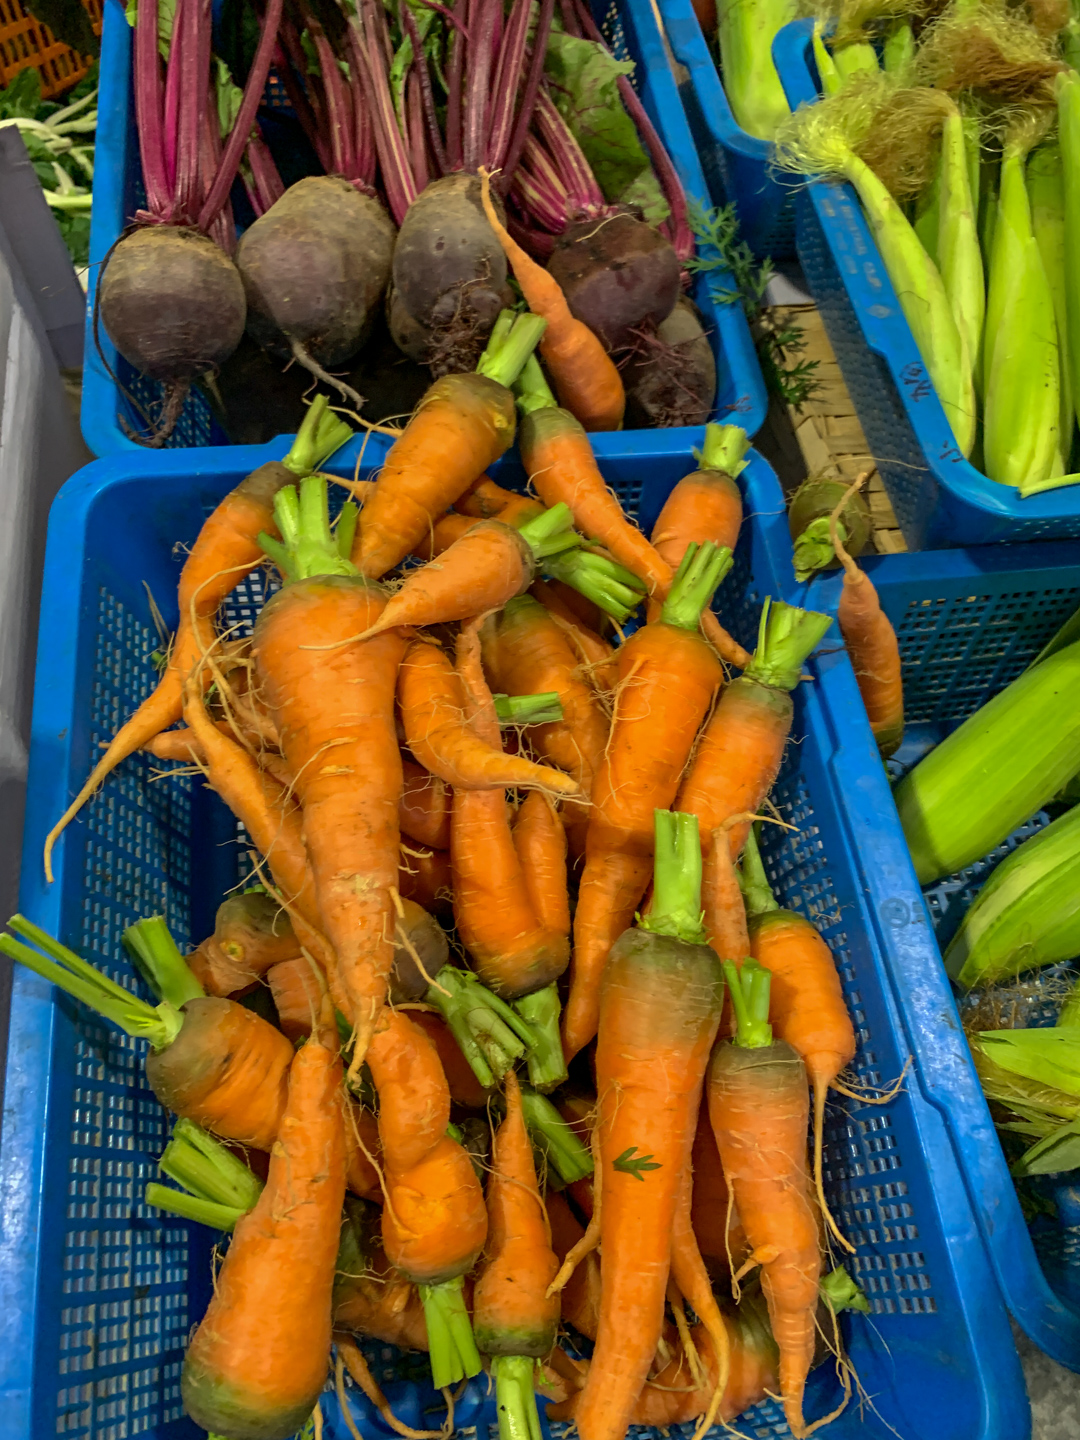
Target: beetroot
672,378
314,268
619,276
173,305
450,276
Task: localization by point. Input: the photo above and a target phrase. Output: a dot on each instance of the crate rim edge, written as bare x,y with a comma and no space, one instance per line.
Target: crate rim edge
889,336
733,342
941,1054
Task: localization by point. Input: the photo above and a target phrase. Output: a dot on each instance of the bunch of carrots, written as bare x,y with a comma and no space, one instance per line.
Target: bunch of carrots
584,1150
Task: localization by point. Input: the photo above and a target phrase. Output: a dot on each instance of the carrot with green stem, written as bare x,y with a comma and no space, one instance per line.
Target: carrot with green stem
514,1319
660,1007
871,643
494,561
759,1105
251,933
808,1009
596,656
462,425
434,1223
214,1061
256,1364
333,707
433,711
668,676
739,753
706,505
218,1188
562,468
510,897
225,551
586,378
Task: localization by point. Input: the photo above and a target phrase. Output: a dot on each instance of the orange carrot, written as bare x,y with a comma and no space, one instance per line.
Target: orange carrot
722,898
706,505
333,706
715,1221
692,1281
461,426
426,877
595,655
759,1107
258,1361
659,1011
251,933
739,753
297,989
434,1223
488,501
465,1088
362,1152
435,716
424,809
226,550
372,1298
581,1293
808,1008
872,645
585,375
562,468
515,1320
443,533
667,678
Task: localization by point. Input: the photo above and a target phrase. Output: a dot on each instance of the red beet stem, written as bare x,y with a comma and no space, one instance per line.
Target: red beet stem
508,162
148,105
289,61
482,25
267,185
414,121
369,53
222,231
431,119
677,226
192,41
238,136
337,102
583,192
509,64
455,85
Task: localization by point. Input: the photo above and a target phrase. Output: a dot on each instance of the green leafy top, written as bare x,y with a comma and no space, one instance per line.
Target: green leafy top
631,1163
584,81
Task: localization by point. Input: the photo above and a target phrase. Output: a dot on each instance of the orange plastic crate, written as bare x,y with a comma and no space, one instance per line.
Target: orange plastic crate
25,41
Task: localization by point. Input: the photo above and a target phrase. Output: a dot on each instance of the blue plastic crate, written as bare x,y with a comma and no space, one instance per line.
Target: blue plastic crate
632,30
97,1293
940,499
968,622
736,163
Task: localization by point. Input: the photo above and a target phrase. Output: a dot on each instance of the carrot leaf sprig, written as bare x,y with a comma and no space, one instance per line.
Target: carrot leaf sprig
700,571
749,989
631,1163
557,550
159,1024
155,955
676,903
218,1188
786,636
320,434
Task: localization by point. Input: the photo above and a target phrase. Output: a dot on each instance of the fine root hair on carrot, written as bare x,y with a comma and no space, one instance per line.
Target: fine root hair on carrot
317,1421
690,1350
342,1398
350,1354
834,521
591,1239
873,1094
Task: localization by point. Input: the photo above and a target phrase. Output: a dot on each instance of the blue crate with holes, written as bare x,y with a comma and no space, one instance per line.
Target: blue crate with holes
98,1293
736,164
115,397
968,622
940,499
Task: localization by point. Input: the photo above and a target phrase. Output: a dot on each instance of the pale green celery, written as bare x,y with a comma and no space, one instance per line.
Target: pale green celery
858,58
958,254
1068,98
898,54
1022,413
831,81
1046,192
921,292
746,32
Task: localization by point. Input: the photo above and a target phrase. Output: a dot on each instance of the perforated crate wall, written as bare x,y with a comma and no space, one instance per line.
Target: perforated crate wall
25,42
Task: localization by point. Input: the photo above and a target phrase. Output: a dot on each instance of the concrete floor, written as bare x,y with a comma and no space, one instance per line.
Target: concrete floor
1054,1393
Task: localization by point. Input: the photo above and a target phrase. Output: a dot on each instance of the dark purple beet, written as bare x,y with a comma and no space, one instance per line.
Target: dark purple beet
619,276
449,276
314,268
672,378
172,303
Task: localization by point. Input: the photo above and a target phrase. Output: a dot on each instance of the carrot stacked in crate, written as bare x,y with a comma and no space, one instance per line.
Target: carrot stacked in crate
465,732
